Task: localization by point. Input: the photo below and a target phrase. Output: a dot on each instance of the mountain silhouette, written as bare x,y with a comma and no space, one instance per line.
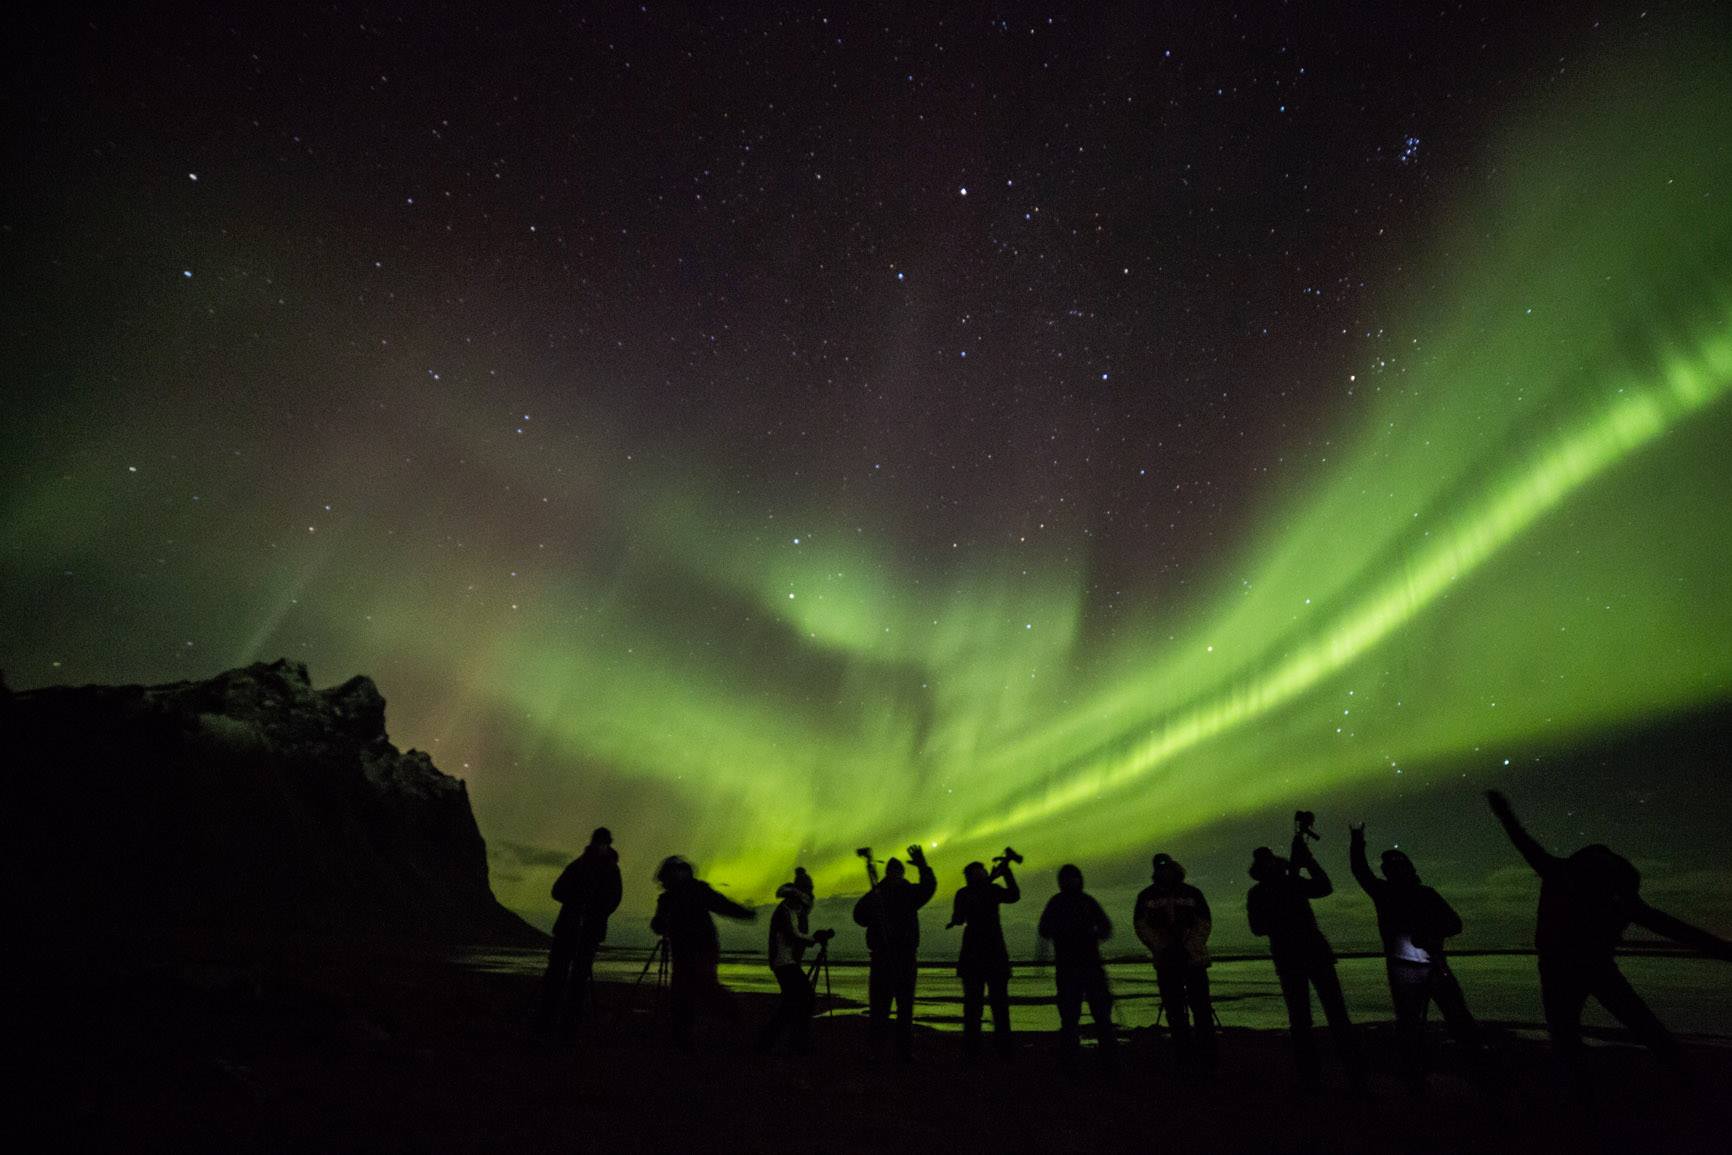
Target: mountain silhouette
249,804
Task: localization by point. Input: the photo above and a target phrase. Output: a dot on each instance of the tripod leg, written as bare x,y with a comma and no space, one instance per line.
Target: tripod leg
653,956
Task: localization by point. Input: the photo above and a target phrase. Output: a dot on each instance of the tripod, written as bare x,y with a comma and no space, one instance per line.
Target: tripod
821,962
659,958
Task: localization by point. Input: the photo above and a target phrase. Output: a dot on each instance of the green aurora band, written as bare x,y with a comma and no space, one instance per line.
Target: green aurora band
1428,598
1519,535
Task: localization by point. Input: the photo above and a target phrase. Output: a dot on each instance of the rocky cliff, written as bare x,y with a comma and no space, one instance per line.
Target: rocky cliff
249,804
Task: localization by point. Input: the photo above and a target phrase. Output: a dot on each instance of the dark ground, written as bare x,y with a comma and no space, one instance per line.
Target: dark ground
394,1051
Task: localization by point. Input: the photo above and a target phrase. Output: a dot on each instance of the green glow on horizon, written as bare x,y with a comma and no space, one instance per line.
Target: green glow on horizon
1518,533
1580,328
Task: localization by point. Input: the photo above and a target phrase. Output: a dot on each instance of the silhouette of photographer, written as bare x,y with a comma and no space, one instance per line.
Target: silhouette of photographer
588,891
682,915
788,941
890,912
983,964
1076,926
1279,907
1173,920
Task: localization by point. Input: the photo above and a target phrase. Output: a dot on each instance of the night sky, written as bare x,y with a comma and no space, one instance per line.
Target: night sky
769,429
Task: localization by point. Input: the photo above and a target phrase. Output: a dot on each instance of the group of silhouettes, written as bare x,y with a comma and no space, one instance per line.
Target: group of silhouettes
1587,901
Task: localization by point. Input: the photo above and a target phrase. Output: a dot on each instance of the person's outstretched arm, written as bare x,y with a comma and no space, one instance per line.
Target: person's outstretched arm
927,886
1012,891
1537,856
721,904
1368,881
1680,931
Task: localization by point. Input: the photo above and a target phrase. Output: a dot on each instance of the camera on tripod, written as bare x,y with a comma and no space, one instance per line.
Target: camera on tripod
823,936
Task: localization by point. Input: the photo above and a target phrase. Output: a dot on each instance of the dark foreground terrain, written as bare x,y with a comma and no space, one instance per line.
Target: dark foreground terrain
397,1051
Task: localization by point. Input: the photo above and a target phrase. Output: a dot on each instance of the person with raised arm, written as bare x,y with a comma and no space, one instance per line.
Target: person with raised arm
890,912
984,963
1279,908
1413,921
1587,902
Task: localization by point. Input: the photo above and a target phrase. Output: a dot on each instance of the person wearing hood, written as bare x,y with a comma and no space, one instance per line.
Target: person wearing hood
984,963
1414,920
1587,902
890,912
1279,907
1172,918
682,916
1076,926
787,949
588,891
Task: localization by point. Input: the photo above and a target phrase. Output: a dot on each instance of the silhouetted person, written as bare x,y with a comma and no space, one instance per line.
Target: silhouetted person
1414,920
682,914
1587,901
984,964
588,892
1173,920
1279,906
1076,926
788,942
890,912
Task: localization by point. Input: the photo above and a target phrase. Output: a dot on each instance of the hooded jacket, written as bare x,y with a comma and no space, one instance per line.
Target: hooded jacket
588,891
1412,919
1174,923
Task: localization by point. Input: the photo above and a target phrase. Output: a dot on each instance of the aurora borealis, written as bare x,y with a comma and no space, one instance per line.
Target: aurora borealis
776,432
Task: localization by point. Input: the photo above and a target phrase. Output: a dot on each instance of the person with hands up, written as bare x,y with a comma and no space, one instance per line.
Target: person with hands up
1587,901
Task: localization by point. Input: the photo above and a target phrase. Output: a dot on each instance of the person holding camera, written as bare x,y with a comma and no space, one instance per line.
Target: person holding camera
1414,920
984,964
1279,907
682,916
787,948
1173,920
890,912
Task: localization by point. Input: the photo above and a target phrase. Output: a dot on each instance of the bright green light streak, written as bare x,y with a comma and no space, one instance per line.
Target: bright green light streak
1638,416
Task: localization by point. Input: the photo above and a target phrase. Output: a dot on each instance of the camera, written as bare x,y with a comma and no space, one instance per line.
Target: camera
1008,857
1304,825
823,935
